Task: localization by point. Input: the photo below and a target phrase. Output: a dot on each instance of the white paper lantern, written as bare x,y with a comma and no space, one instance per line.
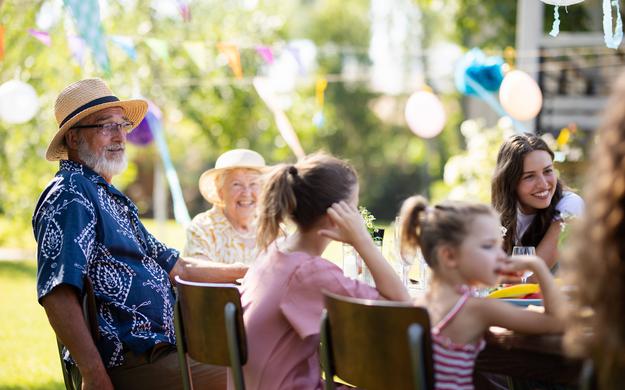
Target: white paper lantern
18,102
520,96
562,2
425,114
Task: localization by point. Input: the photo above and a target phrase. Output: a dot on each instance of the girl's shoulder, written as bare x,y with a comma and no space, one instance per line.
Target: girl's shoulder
571,204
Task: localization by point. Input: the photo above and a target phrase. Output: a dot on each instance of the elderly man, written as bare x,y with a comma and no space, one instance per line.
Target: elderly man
86,228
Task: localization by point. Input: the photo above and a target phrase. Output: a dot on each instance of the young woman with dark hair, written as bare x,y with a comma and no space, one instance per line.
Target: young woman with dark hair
530,198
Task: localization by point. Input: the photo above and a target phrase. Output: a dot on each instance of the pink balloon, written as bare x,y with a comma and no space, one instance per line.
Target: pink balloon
520,96
425,114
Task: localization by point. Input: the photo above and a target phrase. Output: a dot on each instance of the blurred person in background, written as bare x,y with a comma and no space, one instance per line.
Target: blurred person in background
225,235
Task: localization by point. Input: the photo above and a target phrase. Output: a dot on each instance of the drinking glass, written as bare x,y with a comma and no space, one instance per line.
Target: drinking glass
524,251
406,260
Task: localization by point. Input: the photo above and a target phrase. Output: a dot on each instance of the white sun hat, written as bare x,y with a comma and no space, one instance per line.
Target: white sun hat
232,159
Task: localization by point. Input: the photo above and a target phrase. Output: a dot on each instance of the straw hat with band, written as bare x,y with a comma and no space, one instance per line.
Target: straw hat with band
232,159
81,99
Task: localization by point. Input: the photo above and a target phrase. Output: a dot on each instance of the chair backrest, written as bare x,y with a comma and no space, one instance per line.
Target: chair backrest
369,343
71,374
203,320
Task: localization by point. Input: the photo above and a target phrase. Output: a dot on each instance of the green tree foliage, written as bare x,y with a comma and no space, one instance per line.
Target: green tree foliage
206,111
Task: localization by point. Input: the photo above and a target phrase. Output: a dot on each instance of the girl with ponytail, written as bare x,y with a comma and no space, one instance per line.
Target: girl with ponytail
282,292
461,242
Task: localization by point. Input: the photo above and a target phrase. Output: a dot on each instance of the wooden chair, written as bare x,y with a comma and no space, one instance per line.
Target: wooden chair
71,374
209,328
376,344
588,376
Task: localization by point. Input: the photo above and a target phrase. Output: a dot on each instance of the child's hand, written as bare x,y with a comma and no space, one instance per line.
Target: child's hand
348,225
514,266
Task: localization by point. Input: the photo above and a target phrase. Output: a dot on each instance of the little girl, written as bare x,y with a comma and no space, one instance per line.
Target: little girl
282,292
461,243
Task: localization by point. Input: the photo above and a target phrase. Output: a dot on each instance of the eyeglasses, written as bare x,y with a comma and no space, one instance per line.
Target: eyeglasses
107,129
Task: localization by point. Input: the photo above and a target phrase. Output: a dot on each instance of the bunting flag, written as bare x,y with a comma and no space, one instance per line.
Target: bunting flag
1,42
185,10
41,36
87,17
159,48
198,54
233,57
265,53
320,88
77,48
126,44
296,55
263,88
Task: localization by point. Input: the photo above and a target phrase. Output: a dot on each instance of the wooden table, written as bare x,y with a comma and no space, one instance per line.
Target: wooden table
535,357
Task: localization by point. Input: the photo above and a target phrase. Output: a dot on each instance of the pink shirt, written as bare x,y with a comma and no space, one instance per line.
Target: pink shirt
282,305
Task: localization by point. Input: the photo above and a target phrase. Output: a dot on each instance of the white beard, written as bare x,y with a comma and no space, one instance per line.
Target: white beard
98,161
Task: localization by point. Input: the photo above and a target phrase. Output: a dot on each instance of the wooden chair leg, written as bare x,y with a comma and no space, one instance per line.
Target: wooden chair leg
230,311
326,355
185,370
415,339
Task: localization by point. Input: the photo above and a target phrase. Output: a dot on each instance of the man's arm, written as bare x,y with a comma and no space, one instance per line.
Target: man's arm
202,269
66,318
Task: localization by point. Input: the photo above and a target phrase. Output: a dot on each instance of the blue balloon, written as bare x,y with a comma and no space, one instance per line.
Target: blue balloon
486,71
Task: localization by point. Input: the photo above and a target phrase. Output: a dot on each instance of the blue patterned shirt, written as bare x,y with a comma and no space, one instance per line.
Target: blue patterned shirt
85,226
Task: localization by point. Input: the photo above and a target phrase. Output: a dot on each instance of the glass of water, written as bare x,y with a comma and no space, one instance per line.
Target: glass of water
524,251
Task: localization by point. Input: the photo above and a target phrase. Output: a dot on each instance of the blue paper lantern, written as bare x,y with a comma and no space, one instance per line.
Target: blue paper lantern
142,135
486,71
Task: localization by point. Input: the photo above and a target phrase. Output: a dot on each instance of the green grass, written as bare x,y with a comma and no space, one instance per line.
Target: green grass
28,357
28,354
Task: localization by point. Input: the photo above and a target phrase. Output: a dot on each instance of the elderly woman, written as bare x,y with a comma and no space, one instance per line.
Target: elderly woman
225,235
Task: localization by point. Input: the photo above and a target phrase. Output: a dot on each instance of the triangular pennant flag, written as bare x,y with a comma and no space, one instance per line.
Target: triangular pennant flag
87,17
77,47
295,53
159,48
185,10
266,53
233,56
41,36
197,53
1,42
126,44
320,87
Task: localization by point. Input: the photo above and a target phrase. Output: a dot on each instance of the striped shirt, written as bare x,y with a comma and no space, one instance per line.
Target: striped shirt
453,363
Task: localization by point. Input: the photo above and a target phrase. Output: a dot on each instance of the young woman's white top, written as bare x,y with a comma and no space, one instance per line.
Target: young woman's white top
571,204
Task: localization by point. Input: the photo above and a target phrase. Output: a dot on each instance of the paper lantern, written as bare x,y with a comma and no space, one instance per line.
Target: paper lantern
561,2
143,134
425,114
18,102
520,96
485,71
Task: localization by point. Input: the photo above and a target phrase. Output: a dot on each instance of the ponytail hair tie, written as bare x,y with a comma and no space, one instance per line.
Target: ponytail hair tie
293,170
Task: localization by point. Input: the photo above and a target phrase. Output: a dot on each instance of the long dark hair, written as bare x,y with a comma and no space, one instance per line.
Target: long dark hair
302,193
507,175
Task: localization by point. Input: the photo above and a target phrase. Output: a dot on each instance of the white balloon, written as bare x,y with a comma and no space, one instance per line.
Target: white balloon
18,102
561,2
520,96
425,114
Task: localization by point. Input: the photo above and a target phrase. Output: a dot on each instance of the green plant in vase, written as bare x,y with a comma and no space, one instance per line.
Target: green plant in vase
376,233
